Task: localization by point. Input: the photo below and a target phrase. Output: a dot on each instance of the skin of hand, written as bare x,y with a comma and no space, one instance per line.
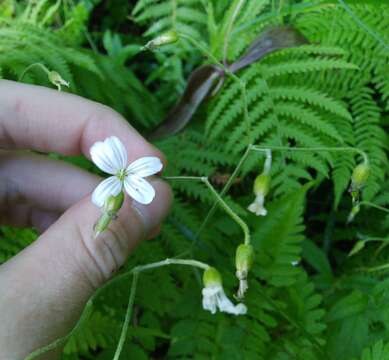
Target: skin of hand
44,288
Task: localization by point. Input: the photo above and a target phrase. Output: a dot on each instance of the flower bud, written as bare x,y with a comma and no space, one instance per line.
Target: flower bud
359,176
212,277
359,245
111,206
166,38
114,203
57,80
244,259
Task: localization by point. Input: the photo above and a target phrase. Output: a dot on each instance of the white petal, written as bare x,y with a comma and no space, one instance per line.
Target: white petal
139,189
110,186
257,206
209,302
226,305
240,309
145,166
211,290
109,155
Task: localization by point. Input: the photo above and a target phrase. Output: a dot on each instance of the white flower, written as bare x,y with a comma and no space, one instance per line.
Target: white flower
257,206
111,157
214,296
261,188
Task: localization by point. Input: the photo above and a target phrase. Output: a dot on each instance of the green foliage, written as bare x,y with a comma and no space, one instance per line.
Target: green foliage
307,298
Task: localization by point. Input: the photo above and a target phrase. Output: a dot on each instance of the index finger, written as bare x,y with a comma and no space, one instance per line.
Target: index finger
34,117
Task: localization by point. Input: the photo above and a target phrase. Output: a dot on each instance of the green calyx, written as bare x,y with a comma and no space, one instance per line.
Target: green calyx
262,184
111,207
244,258
212,277
166,38
113,203
360,176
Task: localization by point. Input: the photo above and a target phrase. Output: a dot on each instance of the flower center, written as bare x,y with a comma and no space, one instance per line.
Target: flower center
121,175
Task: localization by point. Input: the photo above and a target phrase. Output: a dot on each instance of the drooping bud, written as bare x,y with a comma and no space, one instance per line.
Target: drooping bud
166,38
111,207
212,277
359,176
261,188
244,259
57,80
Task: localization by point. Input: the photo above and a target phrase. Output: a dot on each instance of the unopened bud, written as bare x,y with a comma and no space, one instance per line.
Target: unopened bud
114,203
57,80
111,206
166,38
244,259
359,176
357,247
212,277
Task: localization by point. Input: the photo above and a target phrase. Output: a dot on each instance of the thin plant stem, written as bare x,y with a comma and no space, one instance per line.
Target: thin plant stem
187,262
221,202
240,82
136,272
127,319
229,183
89,305
58,342
329,149
373,34
370,204
229,29
29,67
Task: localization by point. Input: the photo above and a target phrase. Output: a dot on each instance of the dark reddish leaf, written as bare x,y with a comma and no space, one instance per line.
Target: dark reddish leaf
208,79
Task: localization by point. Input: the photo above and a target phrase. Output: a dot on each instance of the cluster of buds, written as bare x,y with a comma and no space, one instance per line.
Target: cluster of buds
358,181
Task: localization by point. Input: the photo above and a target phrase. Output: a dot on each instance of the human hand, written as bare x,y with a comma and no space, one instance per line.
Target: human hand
45,287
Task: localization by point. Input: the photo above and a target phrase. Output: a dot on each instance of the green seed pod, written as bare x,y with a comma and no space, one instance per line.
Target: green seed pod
166,38
244,258
360,176
262,184
212,277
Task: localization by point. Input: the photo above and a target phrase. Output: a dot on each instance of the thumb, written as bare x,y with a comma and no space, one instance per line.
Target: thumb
48,283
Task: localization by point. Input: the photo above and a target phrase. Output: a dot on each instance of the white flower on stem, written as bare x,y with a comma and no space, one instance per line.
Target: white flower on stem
110,156
261,188
214,296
